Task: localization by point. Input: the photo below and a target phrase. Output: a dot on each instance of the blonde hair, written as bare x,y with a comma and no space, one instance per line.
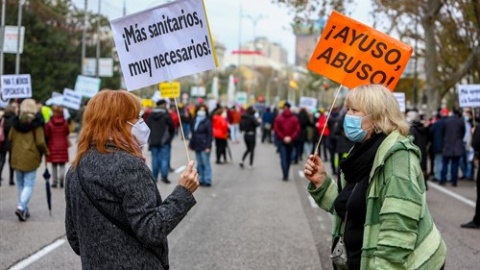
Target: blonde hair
28,107
381,105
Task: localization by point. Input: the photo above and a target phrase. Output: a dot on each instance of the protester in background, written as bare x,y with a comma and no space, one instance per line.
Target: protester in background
234,120
466,160
201,143
146,113
475,223
420,138
248,125
175,118
300,140
436,140
267,125
332,139
322,122
186,118
111,196
220,133
286,128
343,143
27,139
453,132
56,133
5,145
381,190
161,125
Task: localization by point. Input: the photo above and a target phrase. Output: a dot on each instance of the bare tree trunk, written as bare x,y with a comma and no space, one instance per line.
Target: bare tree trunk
429,11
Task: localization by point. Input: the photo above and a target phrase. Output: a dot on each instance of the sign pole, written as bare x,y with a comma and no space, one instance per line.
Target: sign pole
326,121
180,121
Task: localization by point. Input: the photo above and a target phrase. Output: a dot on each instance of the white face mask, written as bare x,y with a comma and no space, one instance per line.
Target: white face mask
140,131
224,114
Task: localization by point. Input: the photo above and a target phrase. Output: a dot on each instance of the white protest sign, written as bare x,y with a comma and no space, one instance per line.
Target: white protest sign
56,94
401,100
198,91
71,99
163,43
56,100
16,86
87,86
469,95
10,41
308,103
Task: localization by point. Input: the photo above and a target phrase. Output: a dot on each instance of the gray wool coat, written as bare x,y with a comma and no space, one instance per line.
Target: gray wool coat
124,187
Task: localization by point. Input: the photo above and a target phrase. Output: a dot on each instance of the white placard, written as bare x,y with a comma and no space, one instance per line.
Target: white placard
469,95
87,86
71,99
105,69
198,91
401,100
241,97
16,86
308,103
56,94
163,43
11,39
56,100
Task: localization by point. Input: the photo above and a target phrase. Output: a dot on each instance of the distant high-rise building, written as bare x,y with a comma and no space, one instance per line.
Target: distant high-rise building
307,35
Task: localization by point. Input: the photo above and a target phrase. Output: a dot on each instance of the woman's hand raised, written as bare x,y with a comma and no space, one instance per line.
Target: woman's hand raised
314,170
189,178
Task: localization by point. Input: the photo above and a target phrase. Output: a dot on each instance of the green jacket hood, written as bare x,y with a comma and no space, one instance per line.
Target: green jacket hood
393,143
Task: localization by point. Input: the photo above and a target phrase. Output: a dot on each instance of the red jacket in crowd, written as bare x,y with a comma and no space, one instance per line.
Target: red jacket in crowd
220,127
175,119
286,125
322,121
56,132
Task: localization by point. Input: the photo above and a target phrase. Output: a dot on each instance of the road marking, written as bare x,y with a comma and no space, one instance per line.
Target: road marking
452,194
180,169
37,255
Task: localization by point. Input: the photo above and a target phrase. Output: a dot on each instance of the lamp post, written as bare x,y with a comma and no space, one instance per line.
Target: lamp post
255,20
2,32
17,57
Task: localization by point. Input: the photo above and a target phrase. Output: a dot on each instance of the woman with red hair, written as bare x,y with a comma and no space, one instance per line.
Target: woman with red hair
115,217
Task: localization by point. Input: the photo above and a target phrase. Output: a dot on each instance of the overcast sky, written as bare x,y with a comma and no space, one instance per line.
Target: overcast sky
223,16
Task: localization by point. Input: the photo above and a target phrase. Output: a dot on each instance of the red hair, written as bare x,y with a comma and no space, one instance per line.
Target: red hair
105,120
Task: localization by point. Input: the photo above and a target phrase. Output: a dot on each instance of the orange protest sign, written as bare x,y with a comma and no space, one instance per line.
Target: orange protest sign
352,54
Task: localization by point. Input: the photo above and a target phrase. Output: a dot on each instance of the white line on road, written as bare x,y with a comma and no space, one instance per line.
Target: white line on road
180,169
37,255
452,194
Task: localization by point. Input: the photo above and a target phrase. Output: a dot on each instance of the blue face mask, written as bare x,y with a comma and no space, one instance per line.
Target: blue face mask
353,128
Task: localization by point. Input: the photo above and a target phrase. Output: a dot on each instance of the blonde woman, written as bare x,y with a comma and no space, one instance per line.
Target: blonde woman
379,205
28,144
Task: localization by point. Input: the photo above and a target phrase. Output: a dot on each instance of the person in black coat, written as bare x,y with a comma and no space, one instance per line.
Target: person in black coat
453,132
5,145
248,125
420,138
302,137
475,223
201,143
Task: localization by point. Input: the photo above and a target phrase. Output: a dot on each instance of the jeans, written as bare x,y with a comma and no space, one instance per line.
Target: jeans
186,130
160,160
56,175
203,167
453,169
438,166
25,184
285,157
234,132
466,166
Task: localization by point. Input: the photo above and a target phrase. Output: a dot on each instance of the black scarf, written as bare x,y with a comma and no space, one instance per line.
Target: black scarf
28,126
358,164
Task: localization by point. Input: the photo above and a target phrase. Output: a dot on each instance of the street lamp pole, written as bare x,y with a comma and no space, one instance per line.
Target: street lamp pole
19,23
97,67
4,5
255,20
84,32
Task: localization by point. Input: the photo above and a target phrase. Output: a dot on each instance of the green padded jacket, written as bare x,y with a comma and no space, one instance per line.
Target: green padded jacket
399,229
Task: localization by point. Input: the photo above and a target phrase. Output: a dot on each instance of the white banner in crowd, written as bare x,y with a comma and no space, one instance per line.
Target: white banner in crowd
16,86
71,99
401,100
163,43
469,95
87,86
10,42
308,103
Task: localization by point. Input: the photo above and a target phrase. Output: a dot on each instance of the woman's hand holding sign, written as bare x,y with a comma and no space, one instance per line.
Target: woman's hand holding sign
315,171
189,178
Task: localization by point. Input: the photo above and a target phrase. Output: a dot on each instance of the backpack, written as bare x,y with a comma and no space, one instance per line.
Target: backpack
2,132
244,123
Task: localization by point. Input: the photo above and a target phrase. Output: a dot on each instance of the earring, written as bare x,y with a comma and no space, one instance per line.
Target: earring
377,130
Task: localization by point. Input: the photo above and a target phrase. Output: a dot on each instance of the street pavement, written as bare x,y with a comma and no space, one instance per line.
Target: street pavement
248,219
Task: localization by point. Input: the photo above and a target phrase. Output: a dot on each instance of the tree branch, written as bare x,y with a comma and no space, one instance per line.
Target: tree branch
451,80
